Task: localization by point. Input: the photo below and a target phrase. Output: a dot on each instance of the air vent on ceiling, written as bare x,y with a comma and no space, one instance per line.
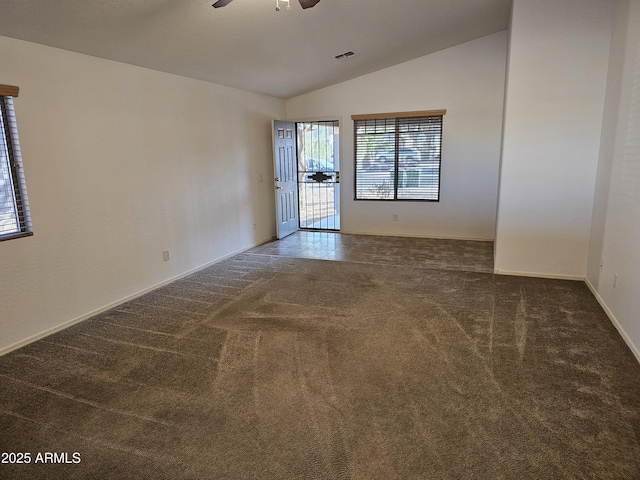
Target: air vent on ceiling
345,55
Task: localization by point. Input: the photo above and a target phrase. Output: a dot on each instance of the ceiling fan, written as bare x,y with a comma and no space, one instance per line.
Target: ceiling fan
303,3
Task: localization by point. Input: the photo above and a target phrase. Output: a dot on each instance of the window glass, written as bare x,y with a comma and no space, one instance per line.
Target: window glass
398,158
14,210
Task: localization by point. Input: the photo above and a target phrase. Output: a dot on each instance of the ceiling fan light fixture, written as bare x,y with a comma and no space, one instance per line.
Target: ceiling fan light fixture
287,2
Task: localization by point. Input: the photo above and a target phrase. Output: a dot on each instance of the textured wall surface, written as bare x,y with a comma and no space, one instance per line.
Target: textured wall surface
122,163
614,255
556,79
467,81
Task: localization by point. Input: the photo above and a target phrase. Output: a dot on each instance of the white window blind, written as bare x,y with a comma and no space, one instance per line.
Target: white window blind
398,156
15,220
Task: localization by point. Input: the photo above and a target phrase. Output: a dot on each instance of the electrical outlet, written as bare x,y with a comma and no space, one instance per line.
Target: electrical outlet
166,255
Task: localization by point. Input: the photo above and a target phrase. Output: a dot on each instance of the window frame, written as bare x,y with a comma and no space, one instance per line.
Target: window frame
400,120
12,165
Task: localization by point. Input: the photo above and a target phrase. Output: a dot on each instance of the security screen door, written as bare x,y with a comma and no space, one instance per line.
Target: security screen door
286,182
319,174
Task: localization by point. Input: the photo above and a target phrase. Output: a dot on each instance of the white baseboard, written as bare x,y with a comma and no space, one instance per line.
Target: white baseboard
552,276
128,298
634,349
405,235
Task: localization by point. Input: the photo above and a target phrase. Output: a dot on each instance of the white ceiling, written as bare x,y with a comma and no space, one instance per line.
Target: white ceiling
247,44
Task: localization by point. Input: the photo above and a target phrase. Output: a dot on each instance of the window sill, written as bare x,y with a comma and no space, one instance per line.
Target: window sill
12,236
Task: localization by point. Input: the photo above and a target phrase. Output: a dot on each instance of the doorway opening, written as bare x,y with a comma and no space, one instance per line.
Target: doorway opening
318,152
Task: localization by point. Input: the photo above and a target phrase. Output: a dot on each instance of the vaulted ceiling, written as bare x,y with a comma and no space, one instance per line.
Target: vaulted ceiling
248,44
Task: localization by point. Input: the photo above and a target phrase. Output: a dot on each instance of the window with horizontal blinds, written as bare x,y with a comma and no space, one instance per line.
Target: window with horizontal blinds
14,207
398,157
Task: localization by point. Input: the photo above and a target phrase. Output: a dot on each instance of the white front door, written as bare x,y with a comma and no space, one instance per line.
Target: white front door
286,177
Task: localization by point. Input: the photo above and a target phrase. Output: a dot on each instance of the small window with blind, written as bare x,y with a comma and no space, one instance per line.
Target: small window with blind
398,156
14,207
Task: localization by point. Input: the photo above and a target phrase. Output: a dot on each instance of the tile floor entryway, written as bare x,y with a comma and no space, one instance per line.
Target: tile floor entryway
444,254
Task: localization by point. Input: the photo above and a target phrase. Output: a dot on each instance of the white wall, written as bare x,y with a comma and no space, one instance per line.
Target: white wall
122,163
467,81
554,103
615,234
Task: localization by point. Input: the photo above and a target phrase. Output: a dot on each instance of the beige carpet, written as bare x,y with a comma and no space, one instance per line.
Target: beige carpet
264,367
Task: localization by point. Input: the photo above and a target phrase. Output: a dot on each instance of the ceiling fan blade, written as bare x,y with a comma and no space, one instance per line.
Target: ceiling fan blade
221,3
308,3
